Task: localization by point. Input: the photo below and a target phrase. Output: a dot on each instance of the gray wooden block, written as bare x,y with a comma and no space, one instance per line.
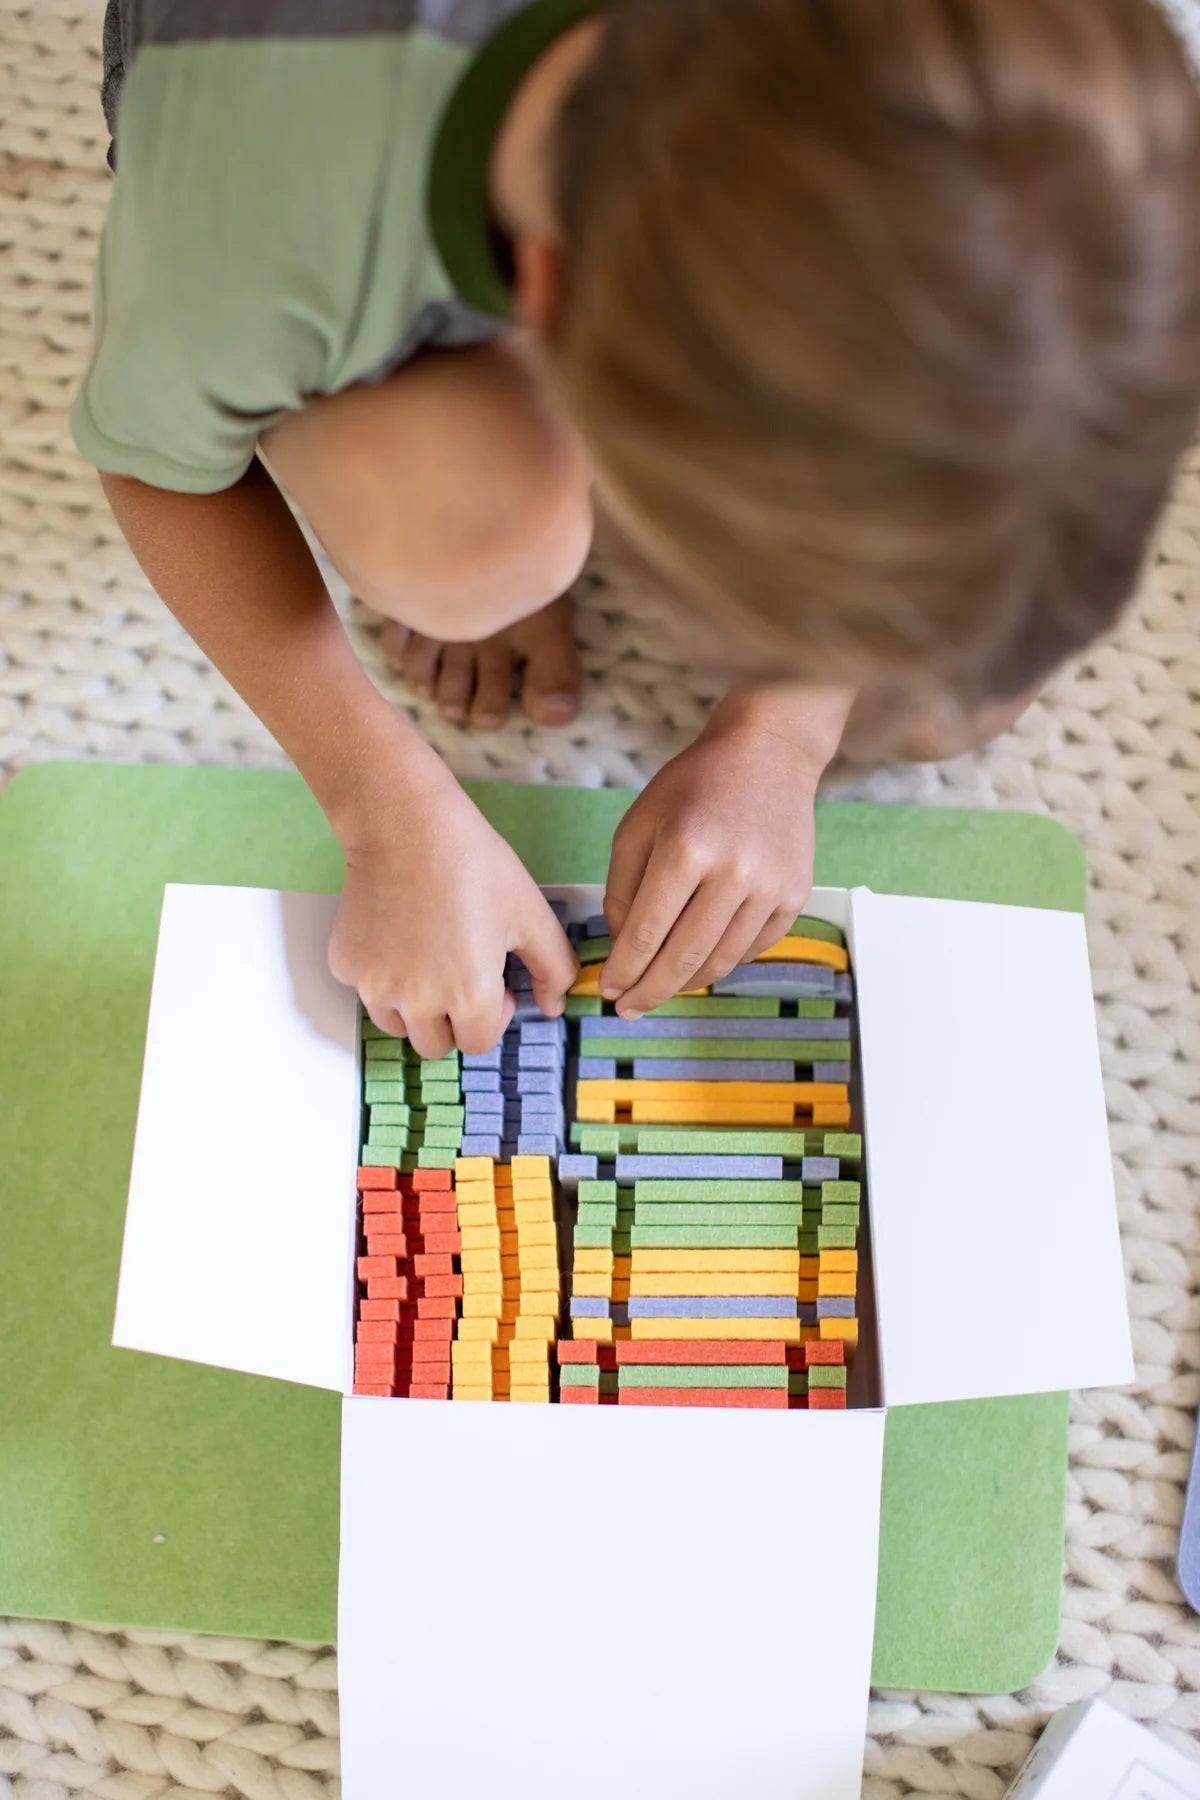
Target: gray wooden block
675,1068
714,1306
595,926
819,1168
700,1168
835,1306
709,1027
830,1071
779,981
597,1068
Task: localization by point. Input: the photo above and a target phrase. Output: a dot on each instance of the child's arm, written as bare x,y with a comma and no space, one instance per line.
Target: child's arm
433,896
713,861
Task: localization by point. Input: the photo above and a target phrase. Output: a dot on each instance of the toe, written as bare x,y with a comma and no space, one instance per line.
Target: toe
421,658
493,686
456,680
551,686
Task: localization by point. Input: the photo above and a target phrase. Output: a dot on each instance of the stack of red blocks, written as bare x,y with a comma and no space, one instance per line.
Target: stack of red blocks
409,1283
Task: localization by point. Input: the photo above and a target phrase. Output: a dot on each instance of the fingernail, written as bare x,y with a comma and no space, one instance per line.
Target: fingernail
632,1015
608,992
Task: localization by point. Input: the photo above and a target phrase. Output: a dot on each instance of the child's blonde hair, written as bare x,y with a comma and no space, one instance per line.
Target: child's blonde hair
881,318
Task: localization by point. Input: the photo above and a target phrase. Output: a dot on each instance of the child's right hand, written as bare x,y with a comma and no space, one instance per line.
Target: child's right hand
433,901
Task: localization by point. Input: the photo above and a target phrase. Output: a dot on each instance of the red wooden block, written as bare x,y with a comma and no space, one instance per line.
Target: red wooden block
377,1331
376,1268
431,1200
374,1388
380,1200
436,1243
440,1330
766,1399
437,1308
824,1350
826,1399
576,1350
421,1390
386,1243
377,1178
701,1350
435,1286
570,1396
424,1265
374,1356
432,1178
387,1287
382,1309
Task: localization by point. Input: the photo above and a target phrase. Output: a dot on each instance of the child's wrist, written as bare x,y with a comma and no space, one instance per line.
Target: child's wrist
804,722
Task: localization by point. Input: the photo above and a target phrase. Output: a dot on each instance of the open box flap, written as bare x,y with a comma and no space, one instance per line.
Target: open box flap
239,1233
990,1188
653,1602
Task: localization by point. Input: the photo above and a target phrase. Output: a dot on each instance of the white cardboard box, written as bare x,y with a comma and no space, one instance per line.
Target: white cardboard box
1089,1751
539,1598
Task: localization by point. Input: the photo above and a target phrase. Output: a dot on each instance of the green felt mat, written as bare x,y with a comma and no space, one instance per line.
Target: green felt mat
138,1491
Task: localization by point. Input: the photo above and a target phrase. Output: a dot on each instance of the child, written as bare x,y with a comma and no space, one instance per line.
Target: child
874,325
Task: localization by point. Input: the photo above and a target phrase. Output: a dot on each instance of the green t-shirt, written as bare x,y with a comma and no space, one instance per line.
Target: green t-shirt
300,203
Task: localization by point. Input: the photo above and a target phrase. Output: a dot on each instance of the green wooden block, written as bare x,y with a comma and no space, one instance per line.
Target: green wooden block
387,1134
598,1140
386,1049
834,1214
442,1137
439,1114
595,1212
387,1114
379,1156
713,1140
388,1093
370,1029
441,1087
593,950
827,1375
729,1212
583,1006
813,1009
432,1156
767,1193
593,1237
703,1375
817,928
597,1190
845,1145
716,1237
835,1237
714,1006
579,1375
844,1193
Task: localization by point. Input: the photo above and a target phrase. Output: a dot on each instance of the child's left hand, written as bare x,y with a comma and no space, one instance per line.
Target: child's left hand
713,860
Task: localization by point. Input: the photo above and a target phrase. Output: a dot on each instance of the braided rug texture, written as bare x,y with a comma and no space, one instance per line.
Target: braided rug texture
91,665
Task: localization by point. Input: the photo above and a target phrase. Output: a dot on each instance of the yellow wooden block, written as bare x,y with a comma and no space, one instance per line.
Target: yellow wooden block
477,1212
474,1168
486,1330
839,1286
523,1167
809,950
593,1331
529,1396
474,1190
480,1262
831,1115
539,1232
846,1329
785,1331
537,1256
534,1212
481,1237
541,1303
800,1093
535,1327
588,983
594,1262
716,1262
486,1306
593,1287
692,1112
603,1112
474,1392
670,1286
532,1187
528,1351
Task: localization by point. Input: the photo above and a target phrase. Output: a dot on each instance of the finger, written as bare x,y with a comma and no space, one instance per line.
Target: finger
664,891
545,949
481,1028
431,1037
776,927
633,843
493,686
747,931
456,680
394,640
697,930
387,1018
421,658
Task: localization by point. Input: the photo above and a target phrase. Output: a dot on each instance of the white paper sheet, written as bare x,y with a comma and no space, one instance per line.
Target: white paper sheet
658,1604
239,1235
990,1189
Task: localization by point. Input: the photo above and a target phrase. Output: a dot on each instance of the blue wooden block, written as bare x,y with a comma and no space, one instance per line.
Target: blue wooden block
700,1168
486,1059
481,1146
843,987
542,1031
480,1081
596,926
537,1144
818,1168
779,981
710,1027
540,1056
835,1306
831,1071
538,1081
572,1169
684,1068
526,1008
489,1100
589,1306
714,1306
508,1087
559,909
597,1068
517,977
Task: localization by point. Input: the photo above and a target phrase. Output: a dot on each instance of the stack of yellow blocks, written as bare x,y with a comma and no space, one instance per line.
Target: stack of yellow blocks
477,1369
529,1235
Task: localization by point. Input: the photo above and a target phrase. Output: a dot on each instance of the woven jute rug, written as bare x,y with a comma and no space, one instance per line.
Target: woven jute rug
92,666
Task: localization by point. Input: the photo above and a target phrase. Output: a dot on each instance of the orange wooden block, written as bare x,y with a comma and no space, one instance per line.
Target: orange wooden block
767,1093
692,1112
831,1115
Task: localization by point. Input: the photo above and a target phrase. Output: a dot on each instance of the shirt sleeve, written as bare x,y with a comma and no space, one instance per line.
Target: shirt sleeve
209,319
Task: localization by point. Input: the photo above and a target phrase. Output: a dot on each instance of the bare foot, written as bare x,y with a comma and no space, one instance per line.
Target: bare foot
475,681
